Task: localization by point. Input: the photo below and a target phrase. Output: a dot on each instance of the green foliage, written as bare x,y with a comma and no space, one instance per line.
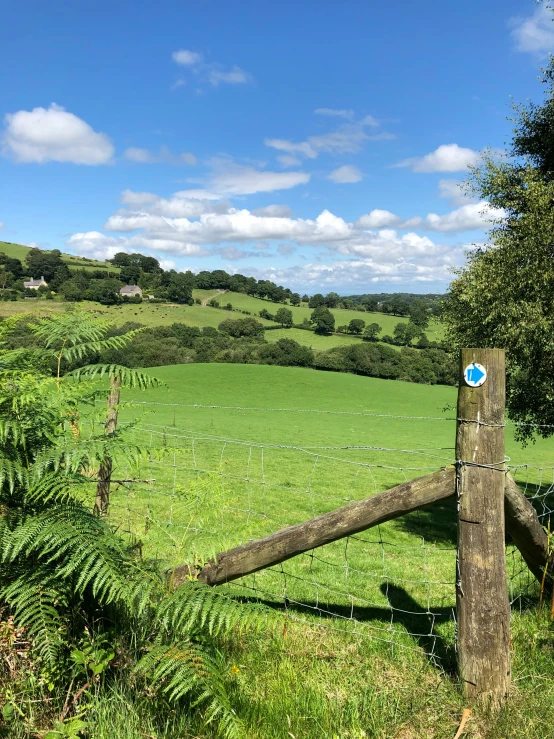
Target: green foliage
504,295
356,326
242,327
284,317
63,568
372,331
323,320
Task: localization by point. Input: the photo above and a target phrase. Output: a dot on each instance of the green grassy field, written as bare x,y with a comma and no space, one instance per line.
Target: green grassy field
239,301
363,625
18,251
309,338
161,314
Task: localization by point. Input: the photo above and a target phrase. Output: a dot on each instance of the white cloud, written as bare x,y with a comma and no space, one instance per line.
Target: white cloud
379,247
346,173
164,156
343,113
234,76
468,217
198,194
210,72
535,33
446,158
187,58
274,211
301,147
455,193
54,135
378,219
471,216
229,178
346,139
287,160
99,246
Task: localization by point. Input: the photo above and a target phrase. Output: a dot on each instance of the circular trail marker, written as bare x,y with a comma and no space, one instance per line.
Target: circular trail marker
475,375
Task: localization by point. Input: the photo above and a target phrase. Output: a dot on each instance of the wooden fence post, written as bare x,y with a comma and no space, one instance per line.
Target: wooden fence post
483,609
102,500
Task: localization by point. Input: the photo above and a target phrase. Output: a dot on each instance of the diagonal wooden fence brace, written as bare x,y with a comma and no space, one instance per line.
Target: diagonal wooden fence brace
529,536
345,521
522,524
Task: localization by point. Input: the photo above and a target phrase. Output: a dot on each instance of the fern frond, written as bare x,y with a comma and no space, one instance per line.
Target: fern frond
195,607
184,669
80,546
36,601
130,378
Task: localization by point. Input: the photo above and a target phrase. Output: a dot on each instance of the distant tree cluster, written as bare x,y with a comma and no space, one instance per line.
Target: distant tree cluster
242,342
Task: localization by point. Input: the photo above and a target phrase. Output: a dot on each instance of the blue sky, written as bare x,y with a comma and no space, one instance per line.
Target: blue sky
318,144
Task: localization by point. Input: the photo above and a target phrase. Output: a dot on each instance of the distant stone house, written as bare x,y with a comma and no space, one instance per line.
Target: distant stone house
35,284
130,291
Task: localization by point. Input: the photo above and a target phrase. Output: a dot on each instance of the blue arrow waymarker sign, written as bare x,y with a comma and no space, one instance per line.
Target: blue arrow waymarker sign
475,374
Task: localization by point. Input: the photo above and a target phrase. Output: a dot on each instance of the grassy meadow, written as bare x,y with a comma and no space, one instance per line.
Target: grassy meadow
18,251
361,642
164,314
240,301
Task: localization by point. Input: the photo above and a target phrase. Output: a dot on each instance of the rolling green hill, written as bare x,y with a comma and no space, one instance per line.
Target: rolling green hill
18,251
240,301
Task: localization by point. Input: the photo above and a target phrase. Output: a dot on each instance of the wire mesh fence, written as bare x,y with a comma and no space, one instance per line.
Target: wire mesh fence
202,493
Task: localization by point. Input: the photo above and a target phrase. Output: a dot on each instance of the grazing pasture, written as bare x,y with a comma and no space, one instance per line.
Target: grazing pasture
240,301
18,251
365,624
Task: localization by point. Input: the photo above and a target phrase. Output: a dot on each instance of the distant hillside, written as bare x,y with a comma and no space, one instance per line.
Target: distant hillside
18,251
386,297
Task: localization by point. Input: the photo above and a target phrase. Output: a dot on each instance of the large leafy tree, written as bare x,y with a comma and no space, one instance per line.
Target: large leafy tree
323,320
504,295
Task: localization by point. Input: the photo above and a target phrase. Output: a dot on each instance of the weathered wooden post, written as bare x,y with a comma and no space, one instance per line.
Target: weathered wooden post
483,609
102,501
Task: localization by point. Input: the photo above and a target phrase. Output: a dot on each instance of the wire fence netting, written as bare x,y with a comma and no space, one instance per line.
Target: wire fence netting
195,494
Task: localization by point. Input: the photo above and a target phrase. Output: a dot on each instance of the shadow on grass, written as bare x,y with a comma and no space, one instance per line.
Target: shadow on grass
436,523
406,613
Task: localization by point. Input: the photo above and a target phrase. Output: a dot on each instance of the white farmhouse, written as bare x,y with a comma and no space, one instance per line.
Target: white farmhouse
35,284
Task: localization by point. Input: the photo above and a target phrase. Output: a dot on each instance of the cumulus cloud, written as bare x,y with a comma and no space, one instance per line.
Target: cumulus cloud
346,173
534,34
212,72
54,135
164,156
379,246
468,217
379,219
446,158
275,211
97,245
